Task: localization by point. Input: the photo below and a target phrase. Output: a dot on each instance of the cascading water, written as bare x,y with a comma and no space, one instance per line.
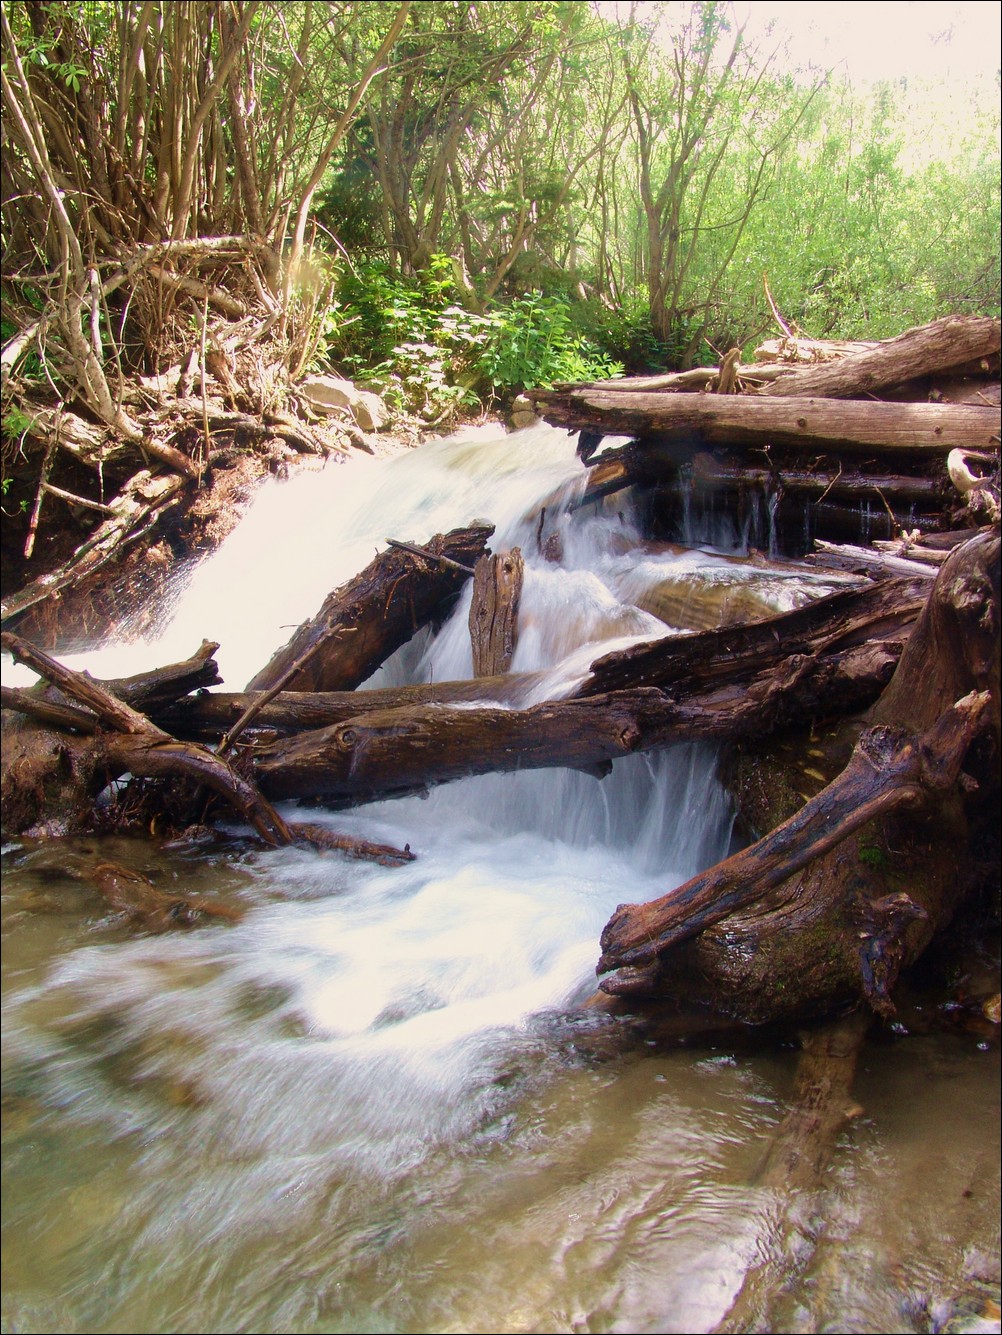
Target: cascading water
361,1107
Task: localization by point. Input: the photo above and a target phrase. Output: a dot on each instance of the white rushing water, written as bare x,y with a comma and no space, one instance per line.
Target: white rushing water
402,977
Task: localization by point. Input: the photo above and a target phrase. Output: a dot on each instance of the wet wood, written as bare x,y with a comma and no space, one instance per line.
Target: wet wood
842,926
365,620
889,769
497,591
139,747
207,716
878,612
141,904
802,423
803,1146
395,752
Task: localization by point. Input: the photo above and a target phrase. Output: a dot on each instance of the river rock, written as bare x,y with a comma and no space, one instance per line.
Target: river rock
329,394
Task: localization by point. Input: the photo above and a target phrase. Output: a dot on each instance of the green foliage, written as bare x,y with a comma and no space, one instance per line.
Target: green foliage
409,338
534,343
427,354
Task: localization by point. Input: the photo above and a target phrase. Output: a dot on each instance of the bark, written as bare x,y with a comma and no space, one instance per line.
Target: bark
497,590
394,752
206,717
364,621
803,423
838,621
888,770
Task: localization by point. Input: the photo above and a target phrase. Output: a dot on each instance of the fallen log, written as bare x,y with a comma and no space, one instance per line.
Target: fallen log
927,349
361,623
888,770
207,716
848,914
396,752
884,611
804,423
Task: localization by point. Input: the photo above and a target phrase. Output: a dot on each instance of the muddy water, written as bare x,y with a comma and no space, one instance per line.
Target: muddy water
374,1103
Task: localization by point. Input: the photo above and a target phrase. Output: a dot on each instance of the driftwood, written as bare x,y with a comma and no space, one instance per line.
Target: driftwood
835,622
364,621
888,770
393,752
208,716
826,909
497,589
35,760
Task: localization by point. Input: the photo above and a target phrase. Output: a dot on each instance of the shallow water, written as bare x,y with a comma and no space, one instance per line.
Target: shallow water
374,1104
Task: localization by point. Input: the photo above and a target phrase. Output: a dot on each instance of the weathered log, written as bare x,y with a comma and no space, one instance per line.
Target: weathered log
208,716
395,752
497,590
804,423
361,623
711,473
888,770
849,617
930,348
139,747
843,926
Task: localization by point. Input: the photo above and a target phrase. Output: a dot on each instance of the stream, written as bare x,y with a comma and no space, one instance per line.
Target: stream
375,1103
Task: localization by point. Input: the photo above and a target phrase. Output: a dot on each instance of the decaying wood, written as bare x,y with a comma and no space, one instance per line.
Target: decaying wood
888,770
497,590
836,621
207,716
802,422
930,348
845,924
364,621
393,752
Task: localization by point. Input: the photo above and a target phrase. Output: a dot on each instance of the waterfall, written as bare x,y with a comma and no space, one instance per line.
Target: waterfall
364,1105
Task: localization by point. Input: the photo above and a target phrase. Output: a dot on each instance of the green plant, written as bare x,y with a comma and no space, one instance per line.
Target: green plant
534,343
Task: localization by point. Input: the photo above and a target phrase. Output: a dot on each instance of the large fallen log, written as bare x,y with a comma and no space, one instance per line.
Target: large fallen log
361,623
395,752
803,423
836,621
927,349
827,909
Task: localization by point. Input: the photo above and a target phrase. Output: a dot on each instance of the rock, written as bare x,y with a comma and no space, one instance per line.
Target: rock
522,414
329,394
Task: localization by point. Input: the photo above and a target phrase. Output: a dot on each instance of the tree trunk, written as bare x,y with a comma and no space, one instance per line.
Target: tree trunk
497,589
930,348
